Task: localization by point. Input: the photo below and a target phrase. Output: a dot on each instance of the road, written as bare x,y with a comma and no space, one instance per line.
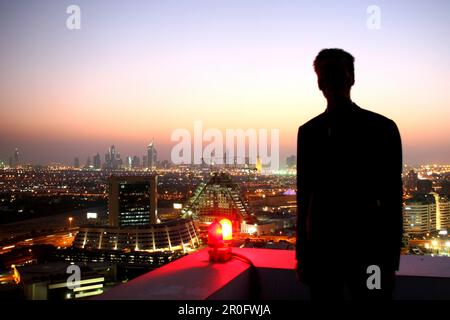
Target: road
56,222
58,239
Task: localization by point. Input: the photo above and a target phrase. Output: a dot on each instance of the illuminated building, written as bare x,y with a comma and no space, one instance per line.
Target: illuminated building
260,228
219,197
129,162
97,162
132,200
172,235
135,162
133,221
144,161
151,156
112,159
16,157
426,213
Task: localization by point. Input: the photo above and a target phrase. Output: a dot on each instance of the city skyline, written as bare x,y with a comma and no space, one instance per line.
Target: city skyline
142,70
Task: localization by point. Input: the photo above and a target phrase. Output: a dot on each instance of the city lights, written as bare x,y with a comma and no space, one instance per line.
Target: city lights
223,150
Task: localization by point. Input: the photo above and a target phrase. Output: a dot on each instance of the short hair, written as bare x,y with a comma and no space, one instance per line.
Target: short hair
335,54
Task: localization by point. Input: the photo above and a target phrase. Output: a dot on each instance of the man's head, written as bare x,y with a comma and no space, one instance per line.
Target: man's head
335,73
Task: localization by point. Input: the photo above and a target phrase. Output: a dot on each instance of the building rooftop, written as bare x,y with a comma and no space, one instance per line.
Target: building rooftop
194,277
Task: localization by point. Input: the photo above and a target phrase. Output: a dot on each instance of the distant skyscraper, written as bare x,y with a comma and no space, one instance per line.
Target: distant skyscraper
144,161
16,157
118,162
107,161
76,163
88,162
112,159
151,156
165,164
97,161
112,151
132,200
136,162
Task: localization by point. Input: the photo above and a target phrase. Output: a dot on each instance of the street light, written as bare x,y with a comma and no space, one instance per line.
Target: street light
70,222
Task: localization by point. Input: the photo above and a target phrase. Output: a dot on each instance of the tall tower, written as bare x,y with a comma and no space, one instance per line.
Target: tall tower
97,161
151,156
112,151
16,157
112,157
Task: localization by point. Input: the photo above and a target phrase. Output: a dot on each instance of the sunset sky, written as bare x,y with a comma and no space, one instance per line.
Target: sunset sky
141,69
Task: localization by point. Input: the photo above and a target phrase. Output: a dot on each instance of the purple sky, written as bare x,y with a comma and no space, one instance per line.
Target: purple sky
141,69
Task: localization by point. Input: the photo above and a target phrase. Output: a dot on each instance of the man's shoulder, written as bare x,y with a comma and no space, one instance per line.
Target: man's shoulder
375,117
363,115
314,122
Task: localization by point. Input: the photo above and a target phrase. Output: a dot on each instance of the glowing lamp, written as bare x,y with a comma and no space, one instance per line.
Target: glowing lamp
227,229
215,235
219,236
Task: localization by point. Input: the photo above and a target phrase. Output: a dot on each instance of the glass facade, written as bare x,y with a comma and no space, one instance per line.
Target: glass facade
134,203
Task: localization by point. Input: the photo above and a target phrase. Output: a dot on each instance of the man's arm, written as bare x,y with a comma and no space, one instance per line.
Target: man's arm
302,191
394,193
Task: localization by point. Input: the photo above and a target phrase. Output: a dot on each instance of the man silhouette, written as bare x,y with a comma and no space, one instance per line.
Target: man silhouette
349,197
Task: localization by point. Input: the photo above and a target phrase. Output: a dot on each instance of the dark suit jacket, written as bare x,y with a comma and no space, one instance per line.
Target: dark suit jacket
349,165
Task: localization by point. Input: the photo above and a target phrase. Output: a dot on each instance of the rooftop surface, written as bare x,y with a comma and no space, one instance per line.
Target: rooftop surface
194,277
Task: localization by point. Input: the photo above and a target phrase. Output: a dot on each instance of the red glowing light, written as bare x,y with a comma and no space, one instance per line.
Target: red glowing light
227,229
215,236
219,236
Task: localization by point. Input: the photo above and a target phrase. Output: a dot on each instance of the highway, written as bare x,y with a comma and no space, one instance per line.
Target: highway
58,239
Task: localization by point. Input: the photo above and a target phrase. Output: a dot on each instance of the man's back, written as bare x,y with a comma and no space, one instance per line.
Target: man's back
349,197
